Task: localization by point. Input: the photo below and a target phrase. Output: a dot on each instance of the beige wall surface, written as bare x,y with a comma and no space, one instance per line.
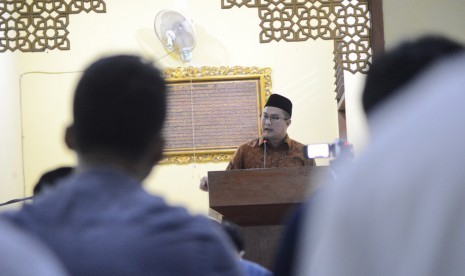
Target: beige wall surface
410,19
11,173
36,88
36,98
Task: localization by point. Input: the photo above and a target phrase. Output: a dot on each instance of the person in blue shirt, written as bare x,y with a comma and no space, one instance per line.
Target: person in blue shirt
100,220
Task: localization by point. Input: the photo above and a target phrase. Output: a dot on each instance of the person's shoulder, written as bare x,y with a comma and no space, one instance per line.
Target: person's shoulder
294,144
251,268
188,239
198,226
177,220
250,143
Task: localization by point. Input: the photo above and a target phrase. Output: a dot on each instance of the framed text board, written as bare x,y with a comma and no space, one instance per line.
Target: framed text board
212,110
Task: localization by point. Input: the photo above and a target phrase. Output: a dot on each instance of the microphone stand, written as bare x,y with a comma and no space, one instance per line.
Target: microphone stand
265,142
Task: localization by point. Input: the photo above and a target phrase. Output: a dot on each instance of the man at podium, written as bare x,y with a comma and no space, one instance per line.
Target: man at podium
275,148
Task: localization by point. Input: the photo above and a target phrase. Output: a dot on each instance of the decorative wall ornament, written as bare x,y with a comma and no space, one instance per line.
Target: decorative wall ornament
185,158
347,22
40,25
179,73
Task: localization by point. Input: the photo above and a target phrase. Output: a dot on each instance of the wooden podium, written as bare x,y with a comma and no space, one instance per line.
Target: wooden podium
259,200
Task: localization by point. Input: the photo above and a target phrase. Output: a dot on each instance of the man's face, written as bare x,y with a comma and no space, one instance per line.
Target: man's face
274,129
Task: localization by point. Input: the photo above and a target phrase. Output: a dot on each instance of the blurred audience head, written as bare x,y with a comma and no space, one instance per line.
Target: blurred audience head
50,179
119,108
399,66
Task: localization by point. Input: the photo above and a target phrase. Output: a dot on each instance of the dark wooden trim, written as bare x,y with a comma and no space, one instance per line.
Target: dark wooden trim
341,117
377,27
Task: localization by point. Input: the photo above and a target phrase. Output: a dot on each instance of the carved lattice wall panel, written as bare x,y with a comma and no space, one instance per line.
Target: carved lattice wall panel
347,22
39,25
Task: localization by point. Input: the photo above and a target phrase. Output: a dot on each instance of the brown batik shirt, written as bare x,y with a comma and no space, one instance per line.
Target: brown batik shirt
250,155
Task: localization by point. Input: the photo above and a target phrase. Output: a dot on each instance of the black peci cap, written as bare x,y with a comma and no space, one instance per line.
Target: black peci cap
279,101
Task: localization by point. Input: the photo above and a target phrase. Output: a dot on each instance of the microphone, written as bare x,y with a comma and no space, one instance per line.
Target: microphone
265,143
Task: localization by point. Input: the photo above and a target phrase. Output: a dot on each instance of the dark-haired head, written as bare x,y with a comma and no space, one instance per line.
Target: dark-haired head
399,66
50,178
119,107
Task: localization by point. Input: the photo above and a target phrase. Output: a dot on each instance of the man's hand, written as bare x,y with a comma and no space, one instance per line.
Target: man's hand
204,184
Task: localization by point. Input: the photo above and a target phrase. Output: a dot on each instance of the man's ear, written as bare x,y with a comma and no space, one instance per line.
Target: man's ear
70,138
157,152
288,122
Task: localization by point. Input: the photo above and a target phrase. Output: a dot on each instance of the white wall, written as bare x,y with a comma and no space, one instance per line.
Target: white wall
301,71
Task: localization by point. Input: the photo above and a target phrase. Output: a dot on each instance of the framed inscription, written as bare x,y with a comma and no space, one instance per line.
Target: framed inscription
212,110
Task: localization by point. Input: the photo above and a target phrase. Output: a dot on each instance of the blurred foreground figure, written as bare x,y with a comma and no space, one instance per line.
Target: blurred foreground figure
402,64
399,209
22,255
390,72
100,220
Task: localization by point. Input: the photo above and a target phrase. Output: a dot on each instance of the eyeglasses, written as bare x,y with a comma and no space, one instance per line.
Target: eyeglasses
273,118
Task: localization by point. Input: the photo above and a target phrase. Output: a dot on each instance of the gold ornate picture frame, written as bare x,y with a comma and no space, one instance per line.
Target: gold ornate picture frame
212,110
